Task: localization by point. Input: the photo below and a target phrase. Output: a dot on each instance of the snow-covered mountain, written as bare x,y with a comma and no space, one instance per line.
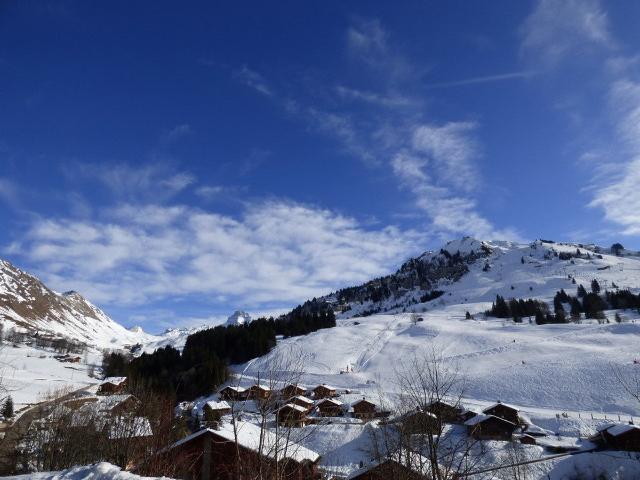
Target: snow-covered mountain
28,304
469,270
238,317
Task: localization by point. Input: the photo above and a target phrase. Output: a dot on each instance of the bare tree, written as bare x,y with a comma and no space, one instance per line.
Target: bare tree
420,437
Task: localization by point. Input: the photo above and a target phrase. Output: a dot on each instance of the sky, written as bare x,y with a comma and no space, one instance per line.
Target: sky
175,161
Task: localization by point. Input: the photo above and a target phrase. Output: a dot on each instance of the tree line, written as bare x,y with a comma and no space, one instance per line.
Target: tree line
203,364
590,303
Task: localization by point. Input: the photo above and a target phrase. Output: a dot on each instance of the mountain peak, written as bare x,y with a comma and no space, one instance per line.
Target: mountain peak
239,317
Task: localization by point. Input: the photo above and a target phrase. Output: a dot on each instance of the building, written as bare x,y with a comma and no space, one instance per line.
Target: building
446,412
527,439
292,415
490,427
619,437
504,411
302,401
364,409
237,452
409,468
329,407
324,391
419,422
233,393
292,391
112,385
213,411
259,392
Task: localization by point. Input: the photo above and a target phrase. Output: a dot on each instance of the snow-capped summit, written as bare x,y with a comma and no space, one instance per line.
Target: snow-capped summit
27,304
238,317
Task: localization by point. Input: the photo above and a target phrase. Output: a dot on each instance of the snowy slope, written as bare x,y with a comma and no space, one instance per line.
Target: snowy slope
483,269
28,304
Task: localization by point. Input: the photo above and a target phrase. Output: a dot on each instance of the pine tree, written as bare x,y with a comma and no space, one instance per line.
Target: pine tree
576,308
7,409
582,292
595,286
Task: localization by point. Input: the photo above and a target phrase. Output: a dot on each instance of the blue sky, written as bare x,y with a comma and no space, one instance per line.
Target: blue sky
174,162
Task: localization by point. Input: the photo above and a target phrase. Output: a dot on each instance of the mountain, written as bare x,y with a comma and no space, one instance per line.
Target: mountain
238,318
470,270
28,304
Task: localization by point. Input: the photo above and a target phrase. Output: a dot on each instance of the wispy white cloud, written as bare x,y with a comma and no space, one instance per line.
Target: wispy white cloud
8,191
151,180
275,251
177,132
253,79
452,149
484,79
559,28
373,97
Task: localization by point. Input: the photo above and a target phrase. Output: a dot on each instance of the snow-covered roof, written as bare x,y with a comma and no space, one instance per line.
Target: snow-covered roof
295,407
503,405
248,436
621,428
261,386
361,401
302,399
130,428
416,463
234,388
483,418
221,405
113,380
330,400
328,387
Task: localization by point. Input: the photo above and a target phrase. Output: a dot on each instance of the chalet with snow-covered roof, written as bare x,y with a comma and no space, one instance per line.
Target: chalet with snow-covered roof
446,412
490,427
291,415
324,391
302,401
619,437
233,393
504,411
213,411
364,409
391,468
112,385
237,453
419,422
328,407
292,391
259,392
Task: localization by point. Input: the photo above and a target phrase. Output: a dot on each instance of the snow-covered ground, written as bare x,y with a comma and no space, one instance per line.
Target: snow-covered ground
29,374
558,368
99,471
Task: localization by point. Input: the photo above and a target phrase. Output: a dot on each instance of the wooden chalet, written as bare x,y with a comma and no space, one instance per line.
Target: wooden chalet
112,386
329,407
302,401
233,393
291,415
213,411
292,390
619,437
259,392
324,391
230,453
364,409
446,412
504,411
391,469
419,422
490,427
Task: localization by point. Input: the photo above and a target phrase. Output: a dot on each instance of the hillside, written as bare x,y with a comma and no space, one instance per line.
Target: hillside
29,305
469,271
